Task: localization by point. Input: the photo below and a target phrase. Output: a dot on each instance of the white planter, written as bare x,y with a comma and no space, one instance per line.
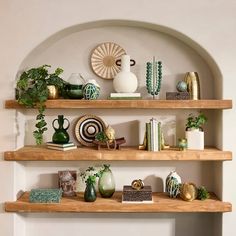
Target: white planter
195,139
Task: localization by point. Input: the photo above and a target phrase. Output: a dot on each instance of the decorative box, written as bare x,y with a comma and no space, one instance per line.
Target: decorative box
177,96
45,195
131,195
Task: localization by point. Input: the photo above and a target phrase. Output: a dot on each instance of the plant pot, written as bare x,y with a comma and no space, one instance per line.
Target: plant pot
195,139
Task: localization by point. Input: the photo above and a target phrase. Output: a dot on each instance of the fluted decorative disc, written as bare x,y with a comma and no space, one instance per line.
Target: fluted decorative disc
103,59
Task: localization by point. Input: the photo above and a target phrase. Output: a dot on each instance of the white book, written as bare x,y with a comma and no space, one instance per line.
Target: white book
60,145
113,95
62,148
154,135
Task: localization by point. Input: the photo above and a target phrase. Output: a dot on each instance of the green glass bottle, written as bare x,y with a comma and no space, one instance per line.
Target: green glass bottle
106,183
60,136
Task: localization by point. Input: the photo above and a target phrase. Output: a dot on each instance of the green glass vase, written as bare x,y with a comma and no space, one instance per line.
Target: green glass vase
106,183
60,136
90,193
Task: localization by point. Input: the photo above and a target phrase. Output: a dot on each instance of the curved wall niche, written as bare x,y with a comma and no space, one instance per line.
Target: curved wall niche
71,49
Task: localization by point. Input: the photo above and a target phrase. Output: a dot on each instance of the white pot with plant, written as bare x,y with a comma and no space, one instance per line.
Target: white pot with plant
194,132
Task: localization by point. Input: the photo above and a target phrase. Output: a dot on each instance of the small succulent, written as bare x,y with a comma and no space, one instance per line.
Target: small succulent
202,194
101,136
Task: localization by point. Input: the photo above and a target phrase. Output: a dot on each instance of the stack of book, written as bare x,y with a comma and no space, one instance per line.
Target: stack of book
125,96
61,147
153,135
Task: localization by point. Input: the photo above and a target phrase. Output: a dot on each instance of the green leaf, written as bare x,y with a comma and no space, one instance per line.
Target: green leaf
41,124
58,71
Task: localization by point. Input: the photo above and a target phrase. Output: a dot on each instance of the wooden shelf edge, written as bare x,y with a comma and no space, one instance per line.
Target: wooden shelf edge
161,203
129,104
41,153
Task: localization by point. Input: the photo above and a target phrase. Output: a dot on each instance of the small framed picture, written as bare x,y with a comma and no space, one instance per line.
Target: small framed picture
67,182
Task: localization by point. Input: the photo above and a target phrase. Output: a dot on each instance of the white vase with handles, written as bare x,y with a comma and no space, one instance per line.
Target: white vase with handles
125,81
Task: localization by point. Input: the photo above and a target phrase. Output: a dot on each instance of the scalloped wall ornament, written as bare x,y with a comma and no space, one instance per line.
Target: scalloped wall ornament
104,57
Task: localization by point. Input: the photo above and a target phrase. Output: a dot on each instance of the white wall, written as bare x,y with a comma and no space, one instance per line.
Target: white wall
25,24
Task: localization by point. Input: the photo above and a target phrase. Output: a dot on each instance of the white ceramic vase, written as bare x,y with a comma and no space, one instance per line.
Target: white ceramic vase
125,81
195,139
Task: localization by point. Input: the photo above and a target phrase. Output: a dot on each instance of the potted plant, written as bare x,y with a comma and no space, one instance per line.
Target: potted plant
32,91
103,177
194,132
90,191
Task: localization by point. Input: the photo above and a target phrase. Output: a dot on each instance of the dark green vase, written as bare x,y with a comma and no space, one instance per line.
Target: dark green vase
90,193
60,136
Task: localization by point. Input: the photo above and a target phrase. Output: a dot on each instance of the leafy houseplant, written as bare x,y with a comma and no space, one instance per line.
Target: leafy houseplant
32,91
194,132
195,122
90,176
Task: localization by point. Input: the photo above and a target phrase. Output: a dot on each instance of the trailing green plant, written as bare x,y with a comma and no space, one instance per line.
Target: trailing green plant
196,122
202,193
31,91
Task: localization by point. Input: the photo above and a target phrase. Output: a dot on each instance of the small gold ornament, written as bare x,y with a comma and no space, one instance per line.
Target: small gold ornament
110,133
137,184
188,192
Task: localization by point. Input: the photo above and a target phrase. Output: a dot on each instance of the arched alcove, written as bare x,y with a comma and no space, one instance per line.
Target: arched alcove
71,48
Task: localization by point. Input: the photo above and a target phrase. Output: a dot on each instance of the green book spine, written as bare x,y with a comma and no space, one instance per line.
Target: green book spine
148,130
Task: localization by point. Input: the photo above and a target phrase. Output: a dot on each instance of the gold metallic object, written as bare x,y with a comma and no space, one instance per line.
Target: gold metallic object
144,145
193,85
52,92
110,133
137,184
188,192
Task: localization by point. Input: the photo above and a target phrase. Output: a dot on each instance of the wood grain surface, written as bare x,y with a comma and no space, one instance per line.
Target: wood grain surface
41,153
136,104
161,203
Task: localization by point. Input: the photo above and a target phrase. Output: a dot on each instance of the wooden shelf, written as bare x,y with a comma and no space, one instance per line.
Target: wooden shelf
136,104
41,153
161,203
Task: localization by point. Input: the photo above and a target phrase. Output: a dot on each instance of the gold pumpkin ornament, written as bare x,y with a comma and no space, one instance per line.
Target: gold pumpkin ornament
188,191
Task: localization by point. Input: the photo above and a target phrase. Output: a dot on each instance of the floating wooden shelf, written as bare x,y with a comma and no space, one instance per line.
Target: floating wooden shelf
137,104
41,153
161,203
